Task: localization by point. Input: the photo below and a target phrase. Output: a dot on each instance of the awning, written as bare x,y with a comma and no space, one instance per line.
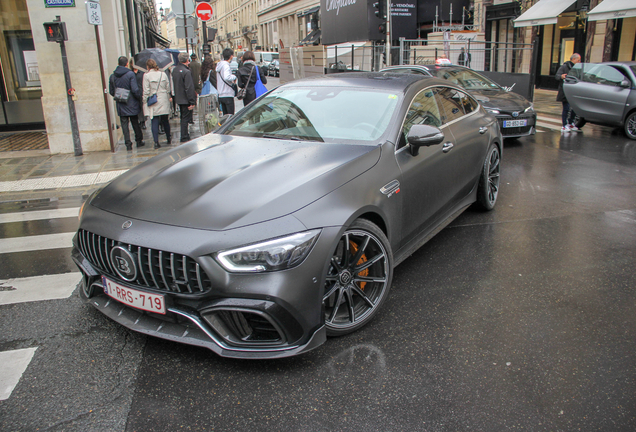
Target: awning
543,12
311,38
613,9
158,38
308,12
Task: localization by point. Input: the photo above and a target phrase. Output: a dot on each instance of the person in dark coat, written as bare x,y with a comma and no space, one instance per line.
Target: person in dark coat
567,115
244,78
184,93
195,68
208,70
140,83
124,78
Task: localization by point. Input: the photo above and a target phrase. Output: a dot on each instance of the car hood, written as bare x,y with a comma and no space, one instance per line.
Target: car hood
501,99
220,182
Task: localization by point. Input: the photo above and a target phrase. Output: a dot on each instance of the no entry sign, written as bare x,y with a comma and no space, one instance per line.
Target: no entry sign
204,11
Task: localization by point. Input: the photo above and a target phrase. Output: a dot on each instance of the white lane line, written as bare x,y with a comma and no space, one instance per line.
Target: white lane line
39,215
12,366
59,182
38,288
35,243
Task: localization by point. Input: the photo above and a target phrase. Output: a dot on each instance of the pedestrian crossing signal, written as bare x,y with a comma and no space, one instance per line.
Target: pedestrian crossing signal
55,31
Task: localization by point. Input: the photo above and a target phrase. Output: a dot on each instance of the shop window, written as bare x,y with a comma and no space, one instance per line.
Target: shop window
22,76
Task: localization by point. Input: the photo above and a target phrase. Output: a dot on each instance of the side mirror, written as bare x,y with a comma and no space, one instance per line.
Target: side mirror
423,135
626,83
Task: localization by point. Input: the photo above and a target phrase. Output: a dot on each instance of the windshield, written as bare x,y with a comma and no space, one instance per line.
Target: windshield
466,78
269,56
324,114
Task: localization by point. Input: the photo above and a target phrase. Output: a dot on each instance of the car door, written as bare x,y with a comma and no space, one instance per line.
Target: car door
469,126
427,175
596,93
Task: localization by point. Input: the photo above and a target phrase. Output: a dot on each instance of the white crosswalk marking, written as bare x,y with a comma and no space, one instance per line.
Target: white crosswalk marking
35,243
39,215
59,182
12,366
38,288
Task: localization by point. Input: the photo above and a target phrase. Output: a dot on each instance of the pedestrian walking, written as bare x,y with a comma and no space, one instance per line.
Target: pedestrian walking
140,83
247,76
225,82
195,68
184,93
157,83
128,109
567,115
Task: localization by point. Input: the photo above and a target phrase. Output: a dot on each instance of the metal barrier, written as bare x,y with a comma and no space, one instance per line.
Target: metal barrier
208,113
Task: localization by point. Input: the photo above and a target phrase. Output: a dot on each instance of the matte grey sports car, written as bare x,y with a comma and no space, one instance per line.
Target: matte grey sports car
515,114
285,225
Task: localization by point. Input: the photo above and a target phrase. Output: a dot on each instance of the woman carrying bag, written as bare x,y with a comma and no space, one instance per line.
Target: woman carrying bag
248,76
157,100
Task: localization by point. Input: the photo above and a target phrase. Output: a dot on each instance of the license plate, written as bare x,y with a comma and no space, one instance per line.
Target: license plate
515,123
135,298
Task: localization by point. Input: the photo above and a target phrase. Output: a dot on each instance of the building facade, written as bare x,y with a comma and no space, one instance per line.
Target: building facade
34,91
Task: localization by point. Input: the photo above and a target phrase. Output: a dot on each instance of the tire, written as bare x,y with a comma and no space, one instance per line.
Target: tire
579,122
630,125
358,278
488,188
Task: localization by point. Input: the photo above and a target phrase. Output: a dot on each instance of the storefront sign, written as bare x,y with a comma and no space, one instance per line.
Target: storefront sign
59,3
404,19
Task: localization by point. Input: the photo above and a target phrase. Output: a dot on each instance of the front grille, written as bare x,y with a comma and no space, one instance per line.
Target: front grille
160,270
515,130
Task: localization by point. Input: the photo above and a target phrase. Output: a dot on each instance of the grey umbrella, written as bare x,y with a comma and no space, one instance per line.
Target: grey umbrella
163,58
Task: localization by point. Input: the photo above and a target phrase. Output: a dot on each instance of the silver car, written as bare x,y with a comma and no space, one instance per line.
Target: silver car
603,93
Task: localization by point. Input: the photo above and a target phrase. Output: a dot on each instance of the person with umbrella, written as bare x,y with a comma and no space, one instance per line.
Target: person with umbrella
128,111
157,83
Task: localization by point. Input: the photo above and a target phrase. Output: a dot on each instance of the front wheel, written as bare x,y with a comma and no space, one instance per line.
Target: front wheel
630,125
488,189
358,278
579,122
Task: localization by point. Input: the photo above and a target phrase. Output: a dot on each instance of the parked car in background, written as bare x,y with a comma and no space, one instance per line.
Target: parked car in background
263,59
515,114
284,226
274,68
234,66
603,93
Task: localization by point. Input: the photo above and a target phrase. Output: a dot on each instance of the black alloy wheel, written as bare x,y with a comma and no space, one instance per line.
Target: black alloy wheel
489,180
630,126
358,279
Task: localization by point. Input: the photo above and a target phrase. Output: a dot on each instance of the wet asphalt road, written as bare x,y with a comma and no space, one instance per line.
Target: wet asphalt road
518,319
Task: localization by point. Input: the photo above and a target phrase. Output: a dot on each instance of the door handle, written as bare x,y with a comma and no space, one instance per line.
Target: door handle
483,129
447,147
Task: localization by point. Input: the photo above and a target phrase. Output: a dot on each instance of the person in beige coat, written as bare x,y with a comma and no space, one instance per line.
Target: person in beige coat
157,82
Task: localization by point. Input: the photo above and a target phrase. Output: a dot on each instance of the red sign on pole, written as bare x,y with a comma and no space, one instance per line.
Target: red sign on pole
204,11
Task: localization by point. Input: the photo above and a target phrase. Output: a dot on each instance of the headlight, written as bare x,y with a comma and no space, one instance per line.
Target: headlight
277,254
492,111
530,108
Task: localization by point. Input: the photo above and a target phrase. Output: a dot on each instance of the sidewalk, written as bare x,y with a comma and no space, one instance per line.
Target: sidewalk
31,175
36,174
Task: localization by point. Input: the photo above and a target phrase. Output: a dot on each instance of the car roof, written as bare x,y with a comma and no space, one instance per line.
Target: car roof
371,80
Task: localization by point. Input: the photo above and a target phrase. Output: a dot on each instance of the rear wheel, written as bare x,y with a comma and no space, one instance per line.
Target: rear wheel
579,122
630,125
358,279
489,181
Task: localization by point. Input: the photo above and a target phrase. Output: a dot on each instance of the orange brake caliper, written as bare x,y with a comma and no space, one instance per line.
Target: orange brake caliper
363,259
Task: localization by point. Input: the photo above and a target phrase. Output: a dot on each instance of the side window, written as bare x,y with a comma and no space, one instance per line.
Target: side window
451,101
423,110
468,103
603,74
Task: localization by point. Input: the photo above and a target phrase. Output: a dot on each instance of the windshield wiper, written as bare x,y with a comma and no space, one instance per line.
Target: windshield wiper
283,137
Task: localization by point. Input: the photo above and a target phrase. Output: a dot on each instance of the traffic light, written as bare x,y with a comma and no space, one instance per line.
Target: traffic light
55,31
384,57
380,11
382,28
